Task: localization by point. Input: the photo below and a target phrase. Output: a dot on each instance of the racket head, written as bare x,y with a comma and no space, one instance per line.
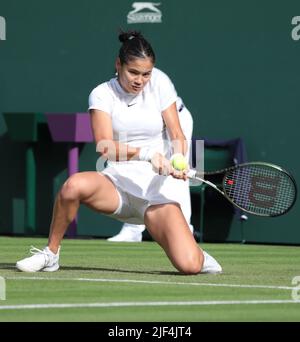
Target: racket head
260,188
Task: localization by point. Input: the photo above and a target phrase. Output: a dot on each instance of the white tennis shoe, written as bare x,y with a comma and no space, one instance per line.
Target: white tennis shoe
132,233
127,237
129,233
210,264
41,260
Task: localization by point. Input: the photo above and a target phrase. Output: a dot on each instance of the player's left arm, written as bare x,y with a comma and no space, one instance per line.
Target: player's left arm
178,140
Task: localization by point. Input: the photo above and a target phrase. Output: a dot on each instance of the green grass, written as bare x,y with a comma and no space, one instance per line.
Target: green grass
141,273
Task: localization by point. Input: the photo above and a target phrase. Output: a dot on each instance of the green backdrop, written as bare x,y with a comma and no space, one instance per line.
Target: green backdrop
235,63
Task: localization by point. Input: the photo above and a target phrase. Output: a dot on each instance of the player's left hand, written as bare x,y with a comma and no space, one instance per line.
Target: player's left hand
161,165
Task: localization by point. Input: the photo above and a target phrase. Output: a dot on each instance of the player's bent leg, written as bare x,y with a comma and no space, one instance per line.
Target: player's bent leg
169,228
89,188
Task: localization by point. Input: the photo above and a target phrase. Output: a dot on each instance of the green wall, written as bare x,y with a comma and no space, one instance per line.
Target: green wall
234,63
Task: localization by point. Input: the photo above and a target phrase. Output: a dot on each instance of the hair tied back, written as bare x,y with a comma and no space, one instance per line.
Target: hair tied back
134,45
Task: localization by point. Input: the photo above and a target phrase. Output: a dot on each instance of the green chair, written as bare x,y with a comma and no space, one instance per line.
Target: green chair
24,127
215,158
214,215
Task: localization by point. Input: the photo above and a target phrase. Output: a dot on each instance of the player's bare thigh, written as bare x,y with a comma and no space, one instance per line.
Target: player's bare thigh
169,228
94,190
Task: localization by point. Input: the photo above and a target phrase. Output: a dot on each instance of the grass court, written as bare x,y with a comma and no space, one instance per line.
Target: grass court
134,282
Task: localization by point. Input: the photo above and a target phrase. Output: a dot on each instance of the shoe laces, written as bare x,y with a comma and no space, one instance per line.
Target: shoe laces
34,251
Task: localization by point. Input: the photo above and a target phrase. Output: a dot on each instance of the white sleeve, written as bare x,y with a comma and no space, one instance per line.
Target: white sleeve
167,91
101,99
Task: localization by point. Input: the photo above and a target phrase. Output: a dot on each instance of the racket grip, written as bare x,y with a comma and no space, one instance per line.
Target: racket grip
191,173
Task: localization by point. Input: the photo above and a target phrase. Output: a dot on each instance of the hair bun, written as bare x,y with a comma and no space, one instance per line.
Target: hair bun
125,36
134,45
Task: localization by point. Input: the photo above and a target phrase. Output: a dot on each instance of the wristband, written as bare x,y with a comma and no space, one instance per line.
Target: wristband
146,154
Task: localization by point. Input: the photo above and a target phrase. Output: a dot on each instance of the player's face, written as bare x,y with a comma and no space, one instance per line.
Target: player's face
134,75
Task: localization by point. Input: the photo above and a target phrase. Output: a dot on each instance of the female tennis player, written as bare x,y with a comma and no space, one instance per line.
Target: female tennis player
134,232
131,115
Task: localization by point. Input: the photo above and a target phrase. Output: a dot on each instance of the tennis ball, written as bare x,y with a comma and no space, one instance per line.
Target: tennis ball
179,162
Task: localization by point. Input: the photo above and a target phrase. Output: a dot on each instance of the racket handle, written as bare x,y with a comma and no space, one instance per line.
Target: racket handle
191,173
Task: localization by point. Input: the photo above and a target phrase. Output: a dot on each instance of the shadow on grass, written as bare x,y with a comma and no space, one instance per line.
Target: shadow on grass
7,266
102,269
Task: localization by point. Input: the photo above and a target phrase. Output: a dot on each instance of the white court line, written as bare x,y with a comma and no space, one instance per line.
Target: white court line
155,282
132,304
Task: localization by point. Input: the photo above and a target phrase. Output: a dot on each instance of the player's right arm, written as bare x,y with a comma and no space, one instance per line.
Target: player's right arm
103,136
115,151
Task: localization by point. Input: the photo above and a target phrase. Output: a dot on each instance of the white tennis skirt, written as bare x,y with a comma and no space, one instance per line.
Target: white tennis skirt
140,187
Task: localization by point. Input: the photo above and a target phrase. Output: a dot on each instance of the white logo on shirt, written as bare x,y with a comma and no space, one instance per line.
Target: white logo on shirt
153,15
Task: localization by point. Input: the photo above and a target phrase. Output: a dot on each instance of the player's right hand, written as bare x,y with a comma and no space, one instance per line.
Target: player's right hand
163,166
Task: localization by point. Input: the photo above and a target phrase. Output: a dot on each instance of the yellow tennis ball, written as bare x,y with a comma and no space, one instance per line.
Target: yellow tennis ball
179,162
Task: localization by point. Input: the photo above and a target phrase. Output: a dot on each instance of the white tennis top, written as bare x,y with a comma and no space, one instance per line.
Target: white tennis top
137,121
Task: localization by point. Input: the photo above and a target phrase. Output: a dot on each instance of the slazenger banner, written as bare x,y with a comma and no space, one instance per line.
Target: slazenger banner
144,12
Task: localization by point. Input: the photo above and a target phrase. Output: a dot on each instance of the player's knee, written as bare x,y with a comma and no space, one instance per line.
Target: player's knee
72,188
192,264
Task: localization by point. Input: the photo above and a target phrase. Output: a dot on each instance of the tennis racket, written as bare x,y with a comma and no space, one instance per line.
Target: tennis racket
257,188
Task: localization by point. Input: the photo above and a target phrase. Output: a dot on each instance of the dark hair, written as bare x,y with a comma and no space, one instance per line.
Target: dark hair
134,46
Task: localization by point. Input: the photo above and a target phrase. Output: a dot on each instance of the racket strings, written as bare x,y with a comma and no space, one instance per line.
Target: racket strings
260,189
